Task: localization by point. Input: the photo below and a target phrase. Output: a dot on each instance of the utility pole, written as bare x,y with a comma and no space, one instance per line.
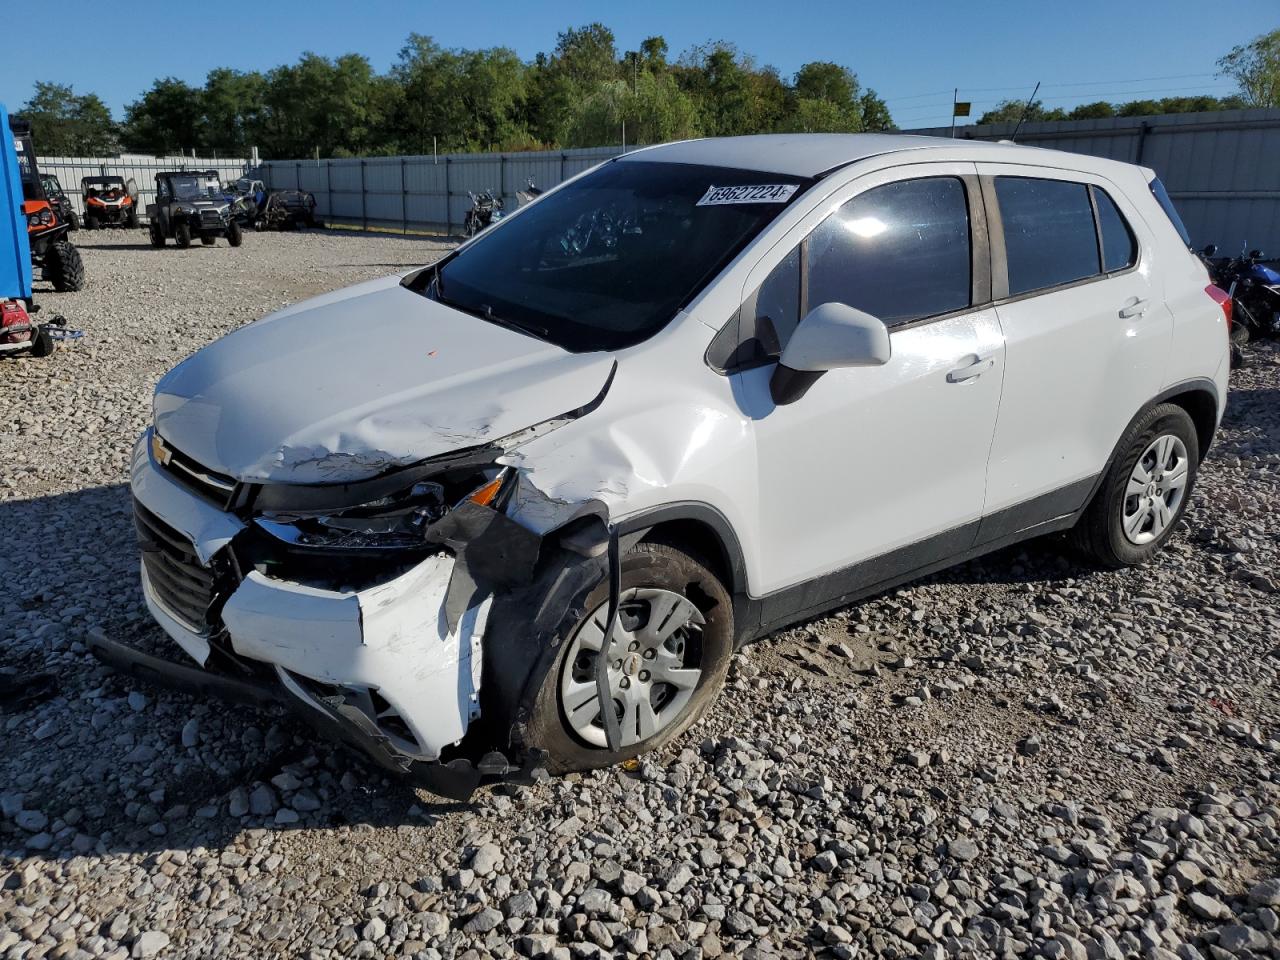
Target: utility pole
955,98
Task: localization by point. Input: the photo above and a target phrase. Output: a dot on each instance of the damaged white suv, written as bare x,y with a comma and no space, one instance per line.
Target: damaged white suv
697,393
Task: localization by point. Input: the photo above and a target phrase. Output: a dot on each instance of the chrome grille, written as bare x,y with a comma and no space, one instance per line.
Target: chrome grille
181,584
218,489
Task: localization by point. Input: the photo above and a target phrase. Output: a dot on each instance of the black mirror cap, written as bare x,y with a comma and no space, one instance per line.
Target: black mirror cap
788,385
1210,250
1255,254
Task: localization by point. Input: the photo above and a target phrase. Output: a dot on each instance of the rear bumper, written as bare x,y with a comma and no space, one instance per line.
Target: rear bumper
380,663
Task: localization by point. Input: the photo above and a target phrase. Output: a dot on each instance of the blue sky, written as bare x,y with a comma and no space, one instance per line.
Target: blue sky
912,53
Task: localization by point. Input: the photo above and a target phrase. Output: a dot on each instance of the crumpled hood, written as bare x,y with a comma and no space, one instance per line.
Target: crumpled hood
353,383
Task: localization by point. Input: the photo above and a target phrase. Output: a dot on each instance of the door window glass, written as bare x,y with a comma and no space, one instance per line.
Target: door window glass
899,252
1049,236
1118,247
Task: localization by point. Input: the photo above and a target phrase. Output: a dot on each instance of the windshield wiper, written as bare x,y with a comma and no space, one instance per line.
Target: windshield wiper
485,312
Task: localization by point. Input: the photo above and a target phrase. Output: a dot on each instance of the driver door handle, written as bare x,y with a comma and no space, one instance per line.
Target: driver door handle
975,368
1133,307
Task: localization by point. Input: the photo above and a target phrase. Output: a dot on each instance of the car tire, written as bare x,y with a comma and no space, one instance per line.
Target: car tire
64,268
235,236
659,570
90,221
73,222
182,235
131,218
1123,524
208,241
157,234
1239,334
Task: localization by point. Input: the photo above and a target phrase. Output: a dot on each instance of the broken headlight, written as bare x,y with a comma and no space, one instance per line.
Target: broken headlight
396,522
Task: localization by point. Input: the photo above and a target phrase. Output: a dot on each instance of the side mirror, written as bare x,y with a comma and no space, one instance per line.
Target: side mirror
1255,254
831,336
1210,250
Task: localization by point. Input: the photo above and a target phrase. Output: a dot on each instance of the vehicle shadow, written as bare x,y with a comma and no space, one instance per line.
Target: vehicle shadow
109,774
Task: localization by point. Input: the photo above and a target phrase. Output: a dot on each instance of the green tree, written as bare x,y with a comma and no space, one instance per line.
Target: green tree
655,111
1011,111
1098,110
232,107
1255,67
69,125
165,120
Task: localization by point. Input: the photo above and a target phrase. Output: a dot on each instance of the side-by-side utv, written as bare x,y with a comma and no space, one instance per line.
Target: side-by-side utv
109,202
51,251
191,204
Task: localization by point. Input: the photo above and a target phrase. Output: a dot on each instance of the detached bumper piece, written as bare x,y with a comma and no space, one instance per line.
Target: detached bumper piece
333,717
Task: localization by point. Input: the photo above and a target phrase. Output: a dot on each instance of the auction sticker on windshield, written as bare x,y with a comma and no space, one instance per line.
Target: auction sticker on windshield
748,193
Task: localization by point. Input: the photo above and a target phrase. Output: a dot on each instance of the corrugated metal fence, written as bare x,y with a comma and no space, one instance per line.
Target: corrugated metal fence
143,170
426,194
1221,168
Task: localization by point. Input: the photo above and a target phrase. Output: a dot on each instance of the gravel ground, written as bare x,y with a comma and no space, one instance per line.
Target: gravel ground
1019,757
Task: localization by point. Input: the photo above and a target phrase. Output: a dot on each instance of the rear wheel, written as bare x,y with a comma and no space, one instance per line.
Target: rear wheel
90,221
1145,491
208,241
73,221
235,236
182,235
64,268
667,662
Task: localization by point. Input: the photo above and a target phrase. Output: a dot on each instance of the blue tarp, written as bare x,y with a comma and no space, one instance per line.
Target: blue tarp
15,251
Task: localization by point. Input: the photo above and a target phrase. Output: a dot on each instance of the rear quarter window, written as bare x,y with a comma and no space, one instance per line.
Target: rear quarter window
1119,249
1170,211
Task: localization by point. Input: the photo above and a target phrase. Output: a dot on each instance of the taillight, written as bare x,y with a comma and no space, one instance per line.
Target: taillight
1222,299
15,325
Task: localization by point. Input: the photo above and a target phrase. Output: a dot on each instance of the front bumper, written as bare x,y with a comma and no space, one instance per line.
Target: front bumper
381,663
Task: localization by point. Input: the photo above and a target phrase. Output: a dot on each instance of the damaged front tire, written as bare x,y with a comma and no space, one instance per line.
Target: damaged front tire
667,660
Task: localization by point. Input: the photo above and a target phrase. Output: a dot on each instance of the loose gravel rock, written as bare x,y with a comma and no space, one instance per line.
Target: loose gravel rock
1021,757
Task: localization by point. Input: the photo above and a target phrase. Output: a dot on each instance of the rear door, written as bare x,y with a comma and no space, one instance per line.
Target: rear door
1086,336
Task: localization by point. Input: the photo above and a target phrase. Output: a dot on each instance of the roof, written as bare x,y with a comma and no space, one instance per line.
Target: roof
797,154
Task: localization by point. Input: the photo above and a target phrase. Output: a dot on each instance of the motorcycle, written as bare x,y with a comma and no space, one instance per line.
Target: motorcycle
486,209
1254,289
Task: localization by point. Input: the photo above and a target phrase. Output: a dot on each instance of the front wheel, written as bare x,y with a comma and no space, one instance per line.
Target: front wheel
182,235
667,661
1145,491
73,221
157,234
207,241
131,218
235,236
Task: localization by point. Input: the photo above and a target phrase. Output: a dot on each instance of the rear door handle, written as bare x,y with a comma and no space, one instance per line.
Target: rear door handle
976,367
1133,307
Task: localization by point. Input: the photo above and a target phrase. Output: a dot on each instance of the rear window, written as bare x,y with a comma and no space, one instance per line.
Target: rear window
1049,235
1166,204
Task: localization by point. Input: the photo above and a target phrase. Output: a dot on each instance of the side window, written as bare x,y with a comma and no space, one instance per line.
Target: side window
899,252
1049,236
1119,250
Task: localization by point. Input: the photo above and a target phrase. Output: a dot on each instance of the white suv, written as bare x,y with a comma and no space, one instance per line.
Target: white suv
697,393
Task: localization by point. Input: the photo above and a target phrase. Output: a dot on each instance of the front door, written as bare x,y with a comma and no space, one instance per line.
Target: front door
887,460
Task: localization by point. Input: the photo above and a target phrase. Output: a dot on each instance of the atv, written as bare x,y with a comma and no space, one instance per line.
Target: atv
51,251
191,204
59,201
287,210
109,202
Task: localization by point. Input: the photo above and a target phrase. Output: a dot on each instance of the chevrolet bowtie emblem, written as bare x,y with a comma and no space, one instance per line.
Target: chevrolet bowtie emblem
161,452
